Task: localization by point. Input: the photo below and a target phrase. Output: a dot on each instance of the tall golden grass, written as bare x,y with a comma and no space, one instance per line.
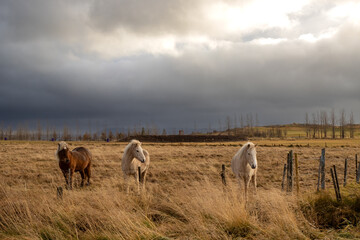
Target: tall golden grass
185,198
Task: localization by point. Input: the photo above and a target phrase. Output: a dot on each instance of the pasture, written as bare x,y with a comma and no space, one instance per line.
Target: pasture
184,197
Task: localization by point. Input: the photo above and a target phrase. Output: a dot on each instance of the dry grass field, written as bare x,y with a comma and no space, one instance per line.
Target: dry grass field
185,198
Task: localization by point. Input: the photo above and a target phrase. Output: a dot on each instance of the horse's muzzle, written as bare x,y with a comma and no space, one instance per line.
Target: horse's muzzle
253,166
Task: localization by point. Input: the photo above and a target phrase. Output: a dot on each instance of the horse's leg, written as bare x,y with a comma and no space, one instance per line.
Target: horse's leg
65,173
143,179
126,181
137,181
247,182
88,174
71,177
239,180
254,180
82,173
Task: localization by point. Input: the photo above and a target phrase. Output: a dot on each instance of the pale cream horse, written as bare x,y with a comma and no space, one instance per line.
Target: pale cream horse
244,165
135,156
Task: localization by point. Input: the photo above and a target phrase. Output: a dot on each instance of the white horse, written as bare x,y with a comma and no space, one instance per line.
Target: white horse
244,165
135,156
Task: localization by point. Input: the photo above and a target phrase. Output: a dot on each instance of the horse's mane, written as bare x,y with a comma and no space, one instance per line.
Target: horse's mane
130,145
62,145
245,147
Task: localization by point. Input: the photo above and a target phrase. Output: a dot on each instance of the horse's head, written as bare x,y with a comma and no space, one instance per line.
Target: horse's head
137,150
250,153
62,152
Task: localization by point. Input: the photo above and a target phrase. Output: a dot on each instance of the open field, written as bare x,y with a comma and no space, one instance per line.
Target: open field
184,199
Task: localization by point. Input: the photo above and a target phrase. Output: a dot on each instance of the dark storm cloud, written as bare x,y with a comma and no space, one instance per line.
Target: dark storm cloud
47,73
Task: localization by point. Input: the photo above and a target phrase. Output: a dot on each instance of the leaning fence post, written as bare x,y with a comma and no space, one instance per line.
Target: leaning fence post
222,174
345,171
139,173
59,191
322,163
337,182
297,174
334,183
283,179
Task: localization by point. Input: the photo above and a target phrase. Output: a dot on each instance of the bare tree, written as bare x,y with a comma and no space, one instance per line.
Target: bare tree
318,127
333,122
47,131
86,136
9,132
351,125
307,125
235,124
110,135
103,135
38,131
324,124
155,130
119,136
143,131
66,134
241,122
95,136
54,135
78,135
342,123
1,132
228,124
314,124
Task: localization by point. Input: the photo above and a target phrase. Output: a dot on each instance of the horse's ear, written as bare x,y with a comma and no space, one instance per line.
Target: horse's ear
249,145
256,145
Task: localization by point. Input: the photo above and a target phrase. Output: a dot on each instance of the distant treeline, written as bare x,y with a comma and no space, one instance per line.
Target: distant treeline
318,125
324,125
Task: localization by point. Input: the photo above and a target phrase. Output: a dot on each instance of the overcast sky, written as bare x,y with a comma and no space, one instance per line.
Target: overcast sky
174,63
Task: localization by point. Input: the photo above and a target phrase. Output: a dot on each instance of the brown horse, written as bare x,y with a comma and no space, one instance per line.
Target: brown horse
77,160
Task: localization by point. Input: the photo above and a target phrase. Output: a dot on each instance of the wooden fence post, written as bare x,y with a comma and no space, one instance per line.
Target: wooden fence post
283,179
139,173
345,171
337,190
337,182
59,191
358,171
322,163
319,172
356,167
290,172
297,174
222,174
